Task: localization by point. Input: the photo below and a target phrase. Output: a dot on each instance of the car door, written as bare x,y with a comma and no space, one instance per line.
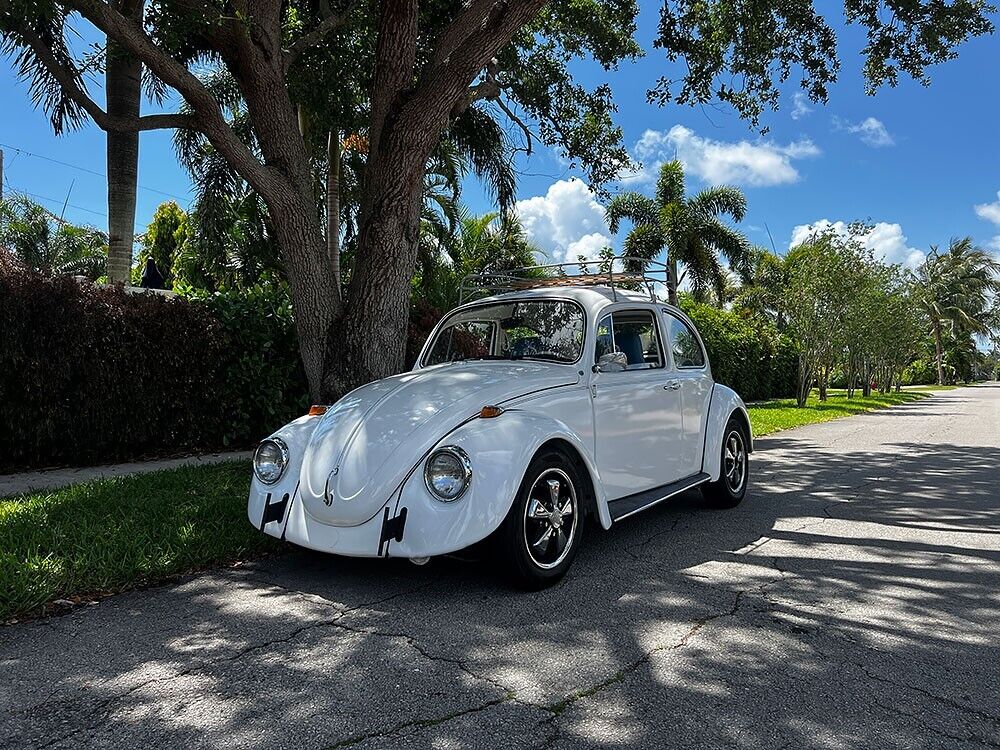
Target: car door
694,384
637,419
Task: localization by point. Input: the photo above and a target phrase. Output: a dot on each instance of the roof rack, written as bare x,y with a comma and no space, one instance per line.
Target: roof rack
634,274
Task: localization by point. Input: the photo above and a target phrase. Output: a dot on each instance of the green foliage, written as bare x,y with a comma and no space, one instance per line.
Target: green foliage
44,243
749,356
265,384
956,289
739,56
688,228
113,534
91,374
919,372
167,233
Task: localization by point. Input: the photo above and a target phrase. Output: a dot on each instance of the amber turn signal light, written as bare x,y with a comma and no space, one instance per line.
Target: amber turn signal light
489,412
316,410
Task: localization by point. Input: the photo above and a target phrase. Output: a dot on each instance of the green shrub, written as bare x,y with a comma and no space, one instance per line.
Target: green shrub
90,374
749,356
920,372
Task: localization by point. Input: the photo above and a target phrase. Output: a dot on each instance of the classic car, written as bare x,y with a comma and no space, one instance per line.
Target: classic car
557,401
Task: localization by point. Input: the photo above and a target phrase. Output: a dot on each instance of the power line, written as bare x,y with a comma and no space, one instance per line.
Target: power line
56,201
88,171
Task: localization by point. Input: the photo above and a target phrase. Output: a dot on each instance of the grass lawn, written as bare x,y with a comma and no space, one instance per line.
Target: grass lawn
112,534
781,414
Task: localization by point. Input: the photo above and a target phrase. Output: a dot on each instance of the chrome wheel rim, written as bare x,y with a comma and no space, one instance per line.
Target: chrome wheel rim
734,458
550,519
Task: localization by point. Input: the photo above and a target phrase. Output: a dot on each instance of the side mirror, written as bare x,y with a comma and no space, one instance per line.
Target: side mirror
612,362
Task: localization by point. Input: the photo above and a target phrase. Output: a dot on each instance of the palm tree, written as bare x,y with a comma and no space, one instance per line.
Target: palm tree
688,228
45,243
954,290
762,291
123,86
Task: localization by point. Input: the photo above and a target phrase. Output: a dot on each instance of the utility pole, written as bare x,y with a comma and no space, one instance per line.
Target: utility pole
1,174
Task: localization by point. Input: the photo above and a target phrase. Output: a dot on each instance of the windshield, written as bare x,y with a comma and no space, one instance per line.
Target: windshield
531,329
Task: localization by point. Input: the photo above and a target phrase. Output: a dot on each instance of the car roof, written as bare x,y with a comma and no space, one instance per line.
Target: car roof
592,298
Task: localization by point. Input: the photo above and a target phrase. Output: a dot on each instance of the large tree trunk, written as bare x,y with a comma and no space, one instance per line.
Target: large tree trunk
123,85
371,338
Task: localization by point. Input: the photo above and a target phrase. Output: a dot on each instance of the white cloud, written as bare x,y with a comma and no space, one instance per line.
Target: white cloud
565,222
871,130
886,240
589,246
991,212
743,163
800,105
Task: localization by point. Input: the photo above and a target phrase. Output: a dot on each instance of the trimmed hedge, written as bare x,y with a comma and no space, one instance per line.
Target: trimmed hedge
91,374
747,355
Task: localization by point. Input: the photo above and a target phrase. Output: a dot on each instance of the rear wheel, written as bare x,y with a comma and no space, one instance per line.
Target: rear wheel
540,536
731,486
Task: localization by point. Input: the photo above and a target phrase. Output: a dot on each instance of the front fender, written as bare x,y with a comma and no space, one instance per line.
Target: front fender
296,436
725,402
500,450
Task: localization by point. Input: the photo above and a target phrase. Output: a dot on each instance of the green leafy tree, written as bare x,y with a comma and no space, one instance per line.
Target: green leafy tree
689,229
166,234
955,290
822,276
430,62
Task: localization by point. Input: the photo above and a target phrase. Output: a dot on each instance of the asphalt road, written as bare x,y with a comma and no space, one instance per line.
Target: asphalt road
851,601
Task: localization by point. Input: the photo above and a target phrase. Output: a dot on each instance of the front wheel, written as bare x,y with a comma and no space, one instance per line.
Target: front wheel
731,486
540,536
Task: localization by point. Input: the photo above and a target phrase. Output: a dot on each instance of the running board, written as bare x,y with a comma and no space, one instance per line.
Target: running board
629,505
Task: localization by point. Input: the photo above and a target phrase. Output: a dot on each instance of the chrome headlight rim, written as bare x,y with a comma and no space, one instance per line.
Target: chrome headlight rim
464,462
282,448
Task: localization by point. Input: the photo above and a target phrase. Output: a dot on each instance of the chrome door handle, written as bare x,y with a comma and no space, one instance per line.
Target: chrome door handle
672,385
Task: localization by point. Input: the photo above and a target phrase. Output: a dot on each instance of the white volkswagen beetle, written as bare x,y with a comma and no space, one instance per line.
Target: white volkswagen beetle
527,412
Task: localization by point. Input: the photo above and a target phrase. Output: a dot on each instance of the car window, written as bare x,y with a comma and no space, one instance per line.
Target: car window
684,344
632,332
550,330
466,339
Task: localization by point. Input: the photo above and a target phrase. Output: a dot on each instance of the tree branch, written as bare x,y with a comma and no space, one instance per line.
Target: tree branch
208,114
68,80
329,24
466,46
517,121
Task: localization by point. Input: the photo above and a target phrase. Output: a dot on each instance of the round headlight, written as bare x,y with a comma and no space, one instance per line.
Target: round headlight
270,460
447,473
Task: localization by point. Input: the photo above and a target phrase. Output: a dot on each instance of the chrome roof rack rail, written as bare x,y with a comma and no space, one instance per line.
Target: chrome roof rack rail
633,274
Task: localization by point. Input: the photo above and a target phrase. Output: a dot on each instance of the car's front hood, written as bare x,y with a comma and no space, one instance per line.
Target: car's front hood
366,443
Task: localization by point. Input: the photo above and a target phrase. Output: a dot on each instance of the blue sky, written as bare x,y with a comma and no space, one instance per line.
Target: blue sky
916,161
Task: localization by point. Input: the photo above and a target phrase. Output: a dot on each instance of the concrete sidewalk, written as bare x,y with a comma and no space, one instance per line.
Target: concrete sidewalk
47,479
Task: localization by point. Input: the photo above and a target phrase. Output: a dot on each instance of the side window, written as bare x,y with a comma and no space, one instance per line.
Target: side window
684,344
633,333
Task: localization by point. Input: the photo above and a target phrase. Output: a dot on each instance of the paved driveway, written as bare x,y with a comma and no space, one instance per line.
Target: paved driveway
851,601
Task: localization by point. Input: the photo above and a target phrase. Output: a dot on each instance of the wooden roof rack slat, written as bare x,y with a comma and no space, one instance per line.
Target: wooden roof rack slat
559,275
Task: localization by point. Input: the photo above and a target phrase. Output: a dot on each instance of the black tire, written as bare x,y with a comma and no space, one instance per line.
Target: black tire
540,561
731,486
